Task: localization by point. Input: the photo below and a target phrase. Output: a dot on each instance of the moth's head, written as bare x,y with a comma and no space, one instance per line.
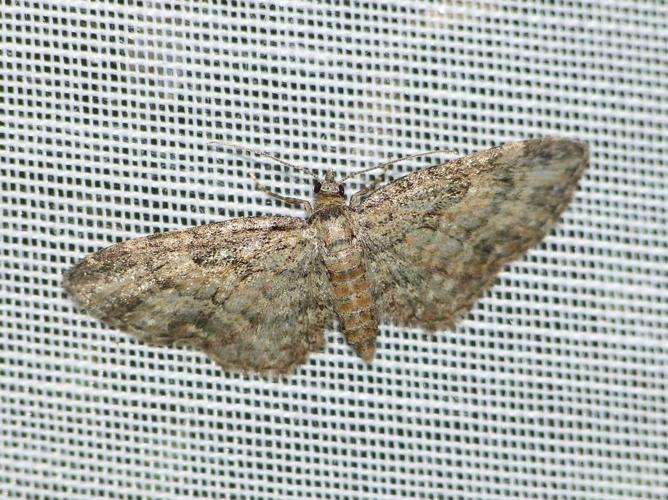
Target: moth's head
328,189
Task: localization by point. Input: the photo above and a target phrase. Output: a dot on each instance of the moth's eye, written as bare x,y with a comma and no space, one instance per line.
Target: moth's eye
317,186
342,191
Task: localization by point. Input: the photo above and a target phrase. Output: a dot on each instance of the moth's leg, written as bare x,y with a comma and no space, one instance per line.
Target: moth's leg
356,198
286,199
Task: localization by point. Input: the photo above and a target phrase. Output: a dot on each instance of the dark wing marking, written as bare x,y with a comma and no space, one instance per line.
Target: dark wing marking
251,293
436,238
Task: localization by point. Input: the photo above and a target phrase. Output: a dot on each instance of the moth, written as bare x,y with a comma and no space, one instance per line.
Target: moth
256,293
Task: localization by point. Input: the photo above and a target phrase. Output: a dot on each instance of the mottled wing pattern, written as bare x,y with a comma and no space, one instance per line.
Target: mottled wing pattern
435,239
252,293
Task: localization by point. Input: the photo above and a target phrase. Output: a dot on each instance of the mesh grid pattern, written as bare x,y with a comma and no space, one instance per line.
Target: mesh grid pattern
555,385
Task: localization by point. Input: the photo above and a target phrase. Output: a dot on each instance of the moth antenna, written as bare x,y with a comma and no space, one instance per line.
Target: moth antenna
264,154
387,164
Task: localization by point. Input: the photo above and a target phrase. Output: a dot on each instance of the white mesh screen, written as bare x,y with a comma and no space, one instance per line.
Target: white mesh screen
555,385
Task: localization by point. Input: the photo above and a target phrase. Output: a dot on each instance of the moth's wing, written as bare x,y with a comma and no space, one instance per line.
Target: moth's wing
435,239
252,293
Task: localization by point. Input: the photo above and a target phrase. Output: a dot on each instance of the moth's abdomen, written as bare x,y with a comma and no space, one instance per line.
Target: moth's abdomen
352,298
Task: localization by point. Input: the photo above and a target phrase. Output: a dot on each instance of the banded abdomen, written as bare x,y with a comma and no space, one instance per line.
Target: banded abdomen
353,302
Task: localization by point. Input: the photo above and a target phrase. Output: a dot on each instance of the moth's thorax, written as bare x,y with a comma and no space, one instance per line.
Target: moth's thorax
325,200
332,225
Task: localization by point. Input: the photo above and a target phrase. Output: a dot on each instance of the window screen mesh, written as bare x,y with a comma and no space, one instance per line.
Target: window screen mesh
554,386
